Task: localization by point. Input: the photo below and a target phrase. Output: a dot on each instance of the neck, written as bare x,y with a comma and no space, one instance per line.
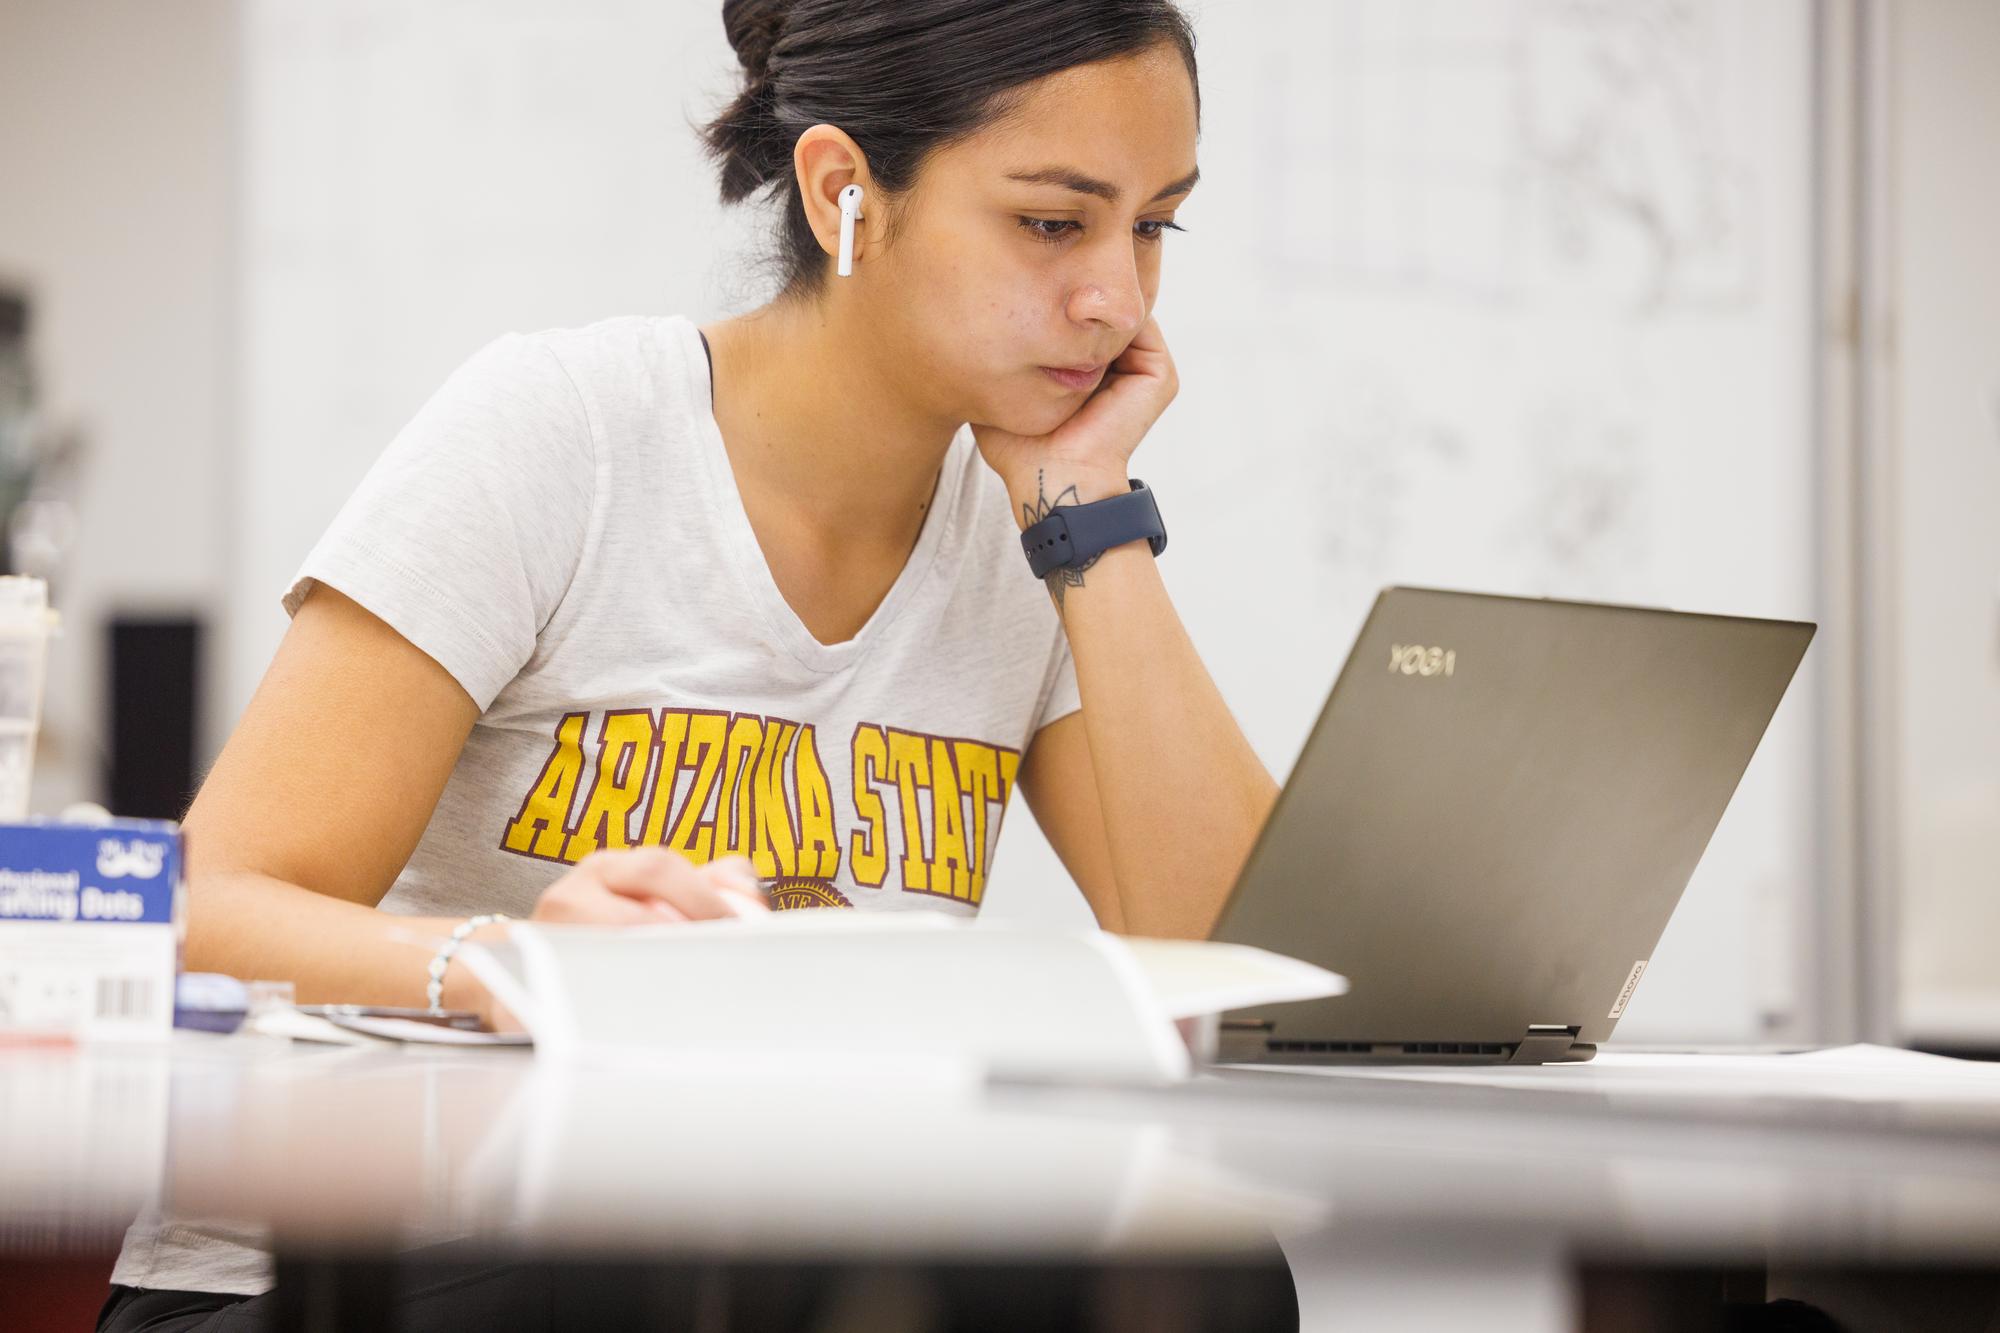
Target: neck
820,427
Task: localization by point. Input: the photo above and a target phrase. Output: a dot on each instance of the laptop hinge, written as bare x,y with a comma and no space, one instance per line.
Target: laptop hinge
1543,1043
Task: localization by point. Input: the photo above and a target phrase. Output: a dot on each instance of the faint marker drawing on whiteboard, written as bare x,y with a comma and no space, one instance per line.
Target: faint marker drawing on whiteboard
1487,152
1396,480
1580,524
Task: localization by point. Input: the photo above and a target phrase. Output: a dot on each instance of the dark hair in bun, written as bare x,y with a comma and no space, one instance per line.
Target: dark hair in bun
904,78
753,27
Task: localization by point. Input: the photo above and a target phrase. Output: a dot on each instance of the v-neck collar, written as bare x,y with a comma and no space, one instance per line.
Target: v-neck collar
936,550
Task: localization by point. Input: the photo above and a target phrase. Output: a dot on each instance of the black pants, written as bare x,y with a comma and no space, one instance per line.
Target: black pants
128,1310
436,1294
443,1290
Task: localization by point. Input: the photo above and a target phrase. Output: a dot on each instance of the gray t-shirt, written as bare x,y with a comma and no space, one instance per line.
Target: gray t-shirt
560,529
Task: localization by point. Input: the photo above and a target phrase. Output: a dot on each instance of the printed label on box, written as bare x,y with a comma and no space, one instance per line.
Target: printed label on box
88,939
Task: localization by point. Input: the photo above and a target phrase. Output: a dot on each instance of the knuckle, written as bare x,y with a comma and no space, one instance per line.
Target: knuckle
653,860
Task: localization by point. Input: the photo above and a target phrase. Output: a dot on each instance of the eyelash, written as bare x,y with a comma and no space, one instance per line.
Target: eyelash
1069,226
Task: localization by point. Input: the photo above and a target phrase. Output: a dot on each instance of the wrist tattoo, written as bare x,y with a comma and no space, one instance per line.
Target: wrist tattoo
1031,514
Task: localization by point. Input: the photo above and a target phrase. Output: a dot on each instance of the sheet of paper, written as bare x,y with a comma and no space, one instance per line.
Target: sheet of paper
1190,978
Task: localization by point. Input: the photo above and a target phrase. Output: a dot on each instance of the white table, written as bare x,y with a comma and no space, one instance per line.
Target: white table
1427,1193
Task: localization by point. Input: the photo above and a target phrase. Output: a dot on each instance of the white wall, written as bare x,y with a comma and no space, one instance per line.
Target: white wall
1946,423
117,173
418,179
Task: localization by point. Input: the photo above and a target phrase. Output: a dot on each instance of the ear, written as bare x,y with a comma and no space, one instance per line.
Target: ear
826,161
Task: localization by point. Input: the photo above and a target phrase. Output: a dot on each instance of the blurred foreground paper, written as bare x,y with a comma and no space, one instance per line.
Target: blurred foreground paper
1008,1000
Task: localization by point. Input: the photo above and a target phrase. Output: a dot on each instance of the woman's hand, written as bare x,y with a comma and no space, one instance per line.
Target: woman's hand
1092,449
648,885
640,886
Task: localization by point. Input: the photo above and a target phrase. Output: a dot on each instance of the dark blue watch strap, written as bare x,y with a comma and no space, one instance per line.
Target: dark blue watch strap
1073,534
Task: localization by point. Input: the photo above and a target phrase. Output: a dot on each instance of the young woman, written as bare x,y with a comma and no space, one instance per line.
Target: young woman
650,620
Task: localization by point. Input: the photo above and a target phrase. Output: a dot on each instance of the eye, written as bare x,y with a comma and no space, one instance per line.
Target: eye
1059,229
1049,229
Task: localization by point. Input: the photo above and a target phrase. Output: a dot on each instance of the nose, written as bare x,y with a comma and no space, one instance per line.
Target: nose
1110,294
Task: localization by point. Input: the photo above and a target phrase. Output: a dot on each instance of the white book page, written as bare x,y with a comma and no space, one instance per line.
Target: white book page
1193,978
1014,1000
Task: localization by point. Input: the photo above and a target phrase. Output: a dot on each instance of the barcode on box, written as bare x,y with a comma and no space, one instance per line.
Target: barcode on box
125,998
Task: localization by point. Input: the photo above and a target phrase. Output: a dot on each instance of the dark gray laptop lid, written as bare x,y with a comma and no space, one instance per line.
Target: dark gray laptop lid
1498,808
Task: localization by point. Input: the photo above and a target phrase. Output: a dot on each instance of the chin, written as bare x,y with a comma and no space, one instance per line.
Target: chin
1026,418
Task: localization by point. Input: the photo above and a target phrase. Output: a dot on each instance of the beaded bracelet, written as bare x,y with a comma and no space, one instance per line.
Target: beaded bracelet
434,989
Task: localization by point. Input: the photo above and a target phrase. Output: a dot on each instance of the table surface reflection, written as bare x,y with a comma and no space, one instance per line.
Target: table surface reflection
378,1146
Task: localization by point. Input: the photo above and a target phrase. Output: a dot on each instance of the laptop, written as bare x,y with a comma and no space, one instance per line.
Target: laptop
1493,818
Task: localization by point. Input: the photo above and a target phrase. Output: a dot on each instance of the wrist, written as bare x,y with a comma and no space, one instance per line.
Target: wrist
462,989
1055,485
1063,541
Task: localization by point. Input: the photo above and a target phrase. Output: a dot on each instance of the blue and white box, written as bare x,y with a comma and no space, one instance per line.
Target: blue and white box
89,929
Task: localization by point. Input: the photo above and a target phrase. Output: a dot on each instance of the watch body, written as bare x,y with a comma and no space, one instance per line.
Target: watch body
1073,535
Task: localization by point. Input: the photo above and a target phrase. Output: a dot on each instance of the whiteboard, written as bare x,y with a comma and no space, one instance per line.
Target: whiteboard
1510,297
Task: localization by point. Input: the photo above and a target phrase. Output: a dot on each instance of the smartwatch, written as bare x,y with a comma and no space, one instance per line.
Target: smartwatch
1074,535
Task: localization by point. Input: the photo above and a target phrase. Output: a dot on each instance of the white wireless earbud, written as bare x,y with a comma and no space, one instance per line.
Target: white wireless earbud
850,209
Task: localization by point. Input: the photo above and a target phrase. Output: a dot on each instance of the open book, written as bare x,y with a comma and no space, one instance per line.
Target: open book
1009,1000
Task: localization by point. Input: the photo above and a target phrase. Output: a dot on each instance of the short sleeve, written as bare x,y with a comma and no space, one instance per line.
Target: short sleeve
465,533
1061,697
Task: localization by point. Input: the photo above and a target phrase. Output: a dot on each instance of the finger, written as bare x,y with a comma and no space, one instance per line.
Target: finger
647,875
631,886
701,901
1137,360
736,875
591,904
638,871
735,871
659,907
1147,344
1149,338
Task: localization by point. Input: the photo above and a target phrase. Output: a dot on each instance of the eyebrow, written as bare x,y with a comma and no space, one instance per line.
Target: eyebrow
1071,179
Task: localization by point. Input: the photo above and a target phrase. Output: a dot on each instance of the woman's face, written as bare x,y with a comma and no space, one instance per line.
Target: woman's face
1037,242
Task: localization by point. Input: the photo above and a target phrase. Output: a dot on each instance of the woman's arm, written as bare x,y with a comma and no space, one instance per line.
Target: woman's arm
1059,784
1151,795
1182,794
318,800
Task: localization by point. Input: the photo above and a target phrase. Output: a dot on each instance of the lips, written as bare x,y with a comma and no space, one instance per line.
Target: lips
1075,377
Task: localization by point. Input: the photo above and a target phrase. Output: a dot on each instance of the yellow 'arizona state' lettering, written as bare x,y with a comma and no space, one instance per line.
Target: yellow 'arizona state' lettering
951,870
986,773
736,814
709,783
868,848
777,849
694,832
819,843
539,827
670,739
934,775
624,757
910,766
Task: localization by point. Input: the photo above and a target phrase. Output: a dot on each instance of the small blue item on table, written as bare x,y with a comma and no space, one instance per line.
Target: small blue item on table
210,1002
